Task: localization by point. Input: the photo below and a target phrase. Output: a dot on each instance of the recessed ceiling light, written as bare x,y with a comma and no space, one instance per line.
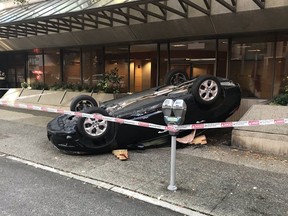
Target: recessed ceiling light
178,45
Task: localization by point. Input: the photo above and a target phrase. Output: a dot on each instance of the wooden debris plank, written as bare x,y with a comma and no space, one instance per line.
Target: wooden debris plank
199,140
121,154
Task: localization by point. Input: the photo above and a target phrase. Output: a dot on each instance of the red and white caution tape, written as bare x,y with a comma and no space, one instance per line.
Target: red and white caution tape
234,124
172,128
80,114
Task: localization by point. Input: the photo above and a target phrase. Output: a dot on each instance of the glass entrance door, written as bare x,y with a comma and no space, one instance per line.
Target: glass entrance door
196,67
194,57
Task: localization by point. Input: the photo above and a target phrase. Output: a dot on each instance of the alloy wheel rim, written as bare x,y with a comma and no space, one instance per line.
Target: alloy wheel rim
208,90
95,127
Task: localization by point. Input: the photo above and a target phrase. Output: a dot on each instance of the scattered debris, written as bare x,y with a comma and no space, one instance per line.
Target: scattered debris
187,139
121,154
199,140
191,139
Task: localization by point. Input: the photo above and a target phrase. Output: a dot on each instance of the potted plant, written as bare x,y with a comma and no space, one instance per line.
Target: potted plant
111,82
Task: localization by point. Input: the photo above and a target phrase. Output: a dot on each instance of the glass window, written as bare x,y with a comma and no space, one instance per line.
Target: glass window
116,59
13,66
92,64
252,66
106,3
194,57
143,66
71,66
281,65
222,54
35,66
19,14
52,66
47,9
3,71
163,63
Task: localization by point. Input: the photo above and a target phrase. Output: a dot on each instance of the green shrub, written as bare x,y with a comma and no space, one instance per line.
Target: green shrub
24,85
284,86
56,86
281,99
39,86
111,82
68,86
74,87
91,88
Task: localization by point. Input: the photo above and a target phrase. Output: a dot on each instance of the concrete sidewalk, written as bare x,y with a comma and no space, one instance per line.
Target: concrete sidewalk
212,180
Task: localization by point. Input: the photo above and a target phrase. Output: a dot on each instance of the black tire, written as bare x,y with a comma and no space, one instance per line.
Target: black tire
82,102
95,129
175,77
206,90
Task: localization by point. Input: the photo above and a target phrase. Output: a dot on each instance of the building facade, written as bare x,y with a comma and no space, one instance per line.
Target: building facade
58,41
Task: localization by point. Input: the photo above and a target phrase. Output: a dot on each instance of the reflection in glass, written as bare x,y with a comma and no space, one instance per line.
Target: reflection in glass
35,67
195,57
13,65
281,65
143,66
252,67
164,63
52,66
116,59
222,59
71,66
92,64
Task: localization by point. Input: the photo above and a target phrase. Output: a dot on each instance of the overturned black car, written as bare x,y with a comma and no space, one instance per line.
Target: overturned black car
208,99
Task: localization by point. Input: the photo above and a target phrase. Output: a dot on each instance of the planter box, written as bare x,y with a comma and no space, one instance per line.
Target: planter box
270,139
50,98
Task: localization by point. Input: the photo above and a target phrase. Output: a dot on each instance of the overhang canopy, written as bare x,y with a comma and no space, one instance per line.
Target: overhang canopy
58,16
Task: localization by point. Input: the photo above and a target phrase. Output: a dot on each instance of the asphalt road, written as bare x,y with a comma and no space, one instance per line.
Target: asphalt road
25,190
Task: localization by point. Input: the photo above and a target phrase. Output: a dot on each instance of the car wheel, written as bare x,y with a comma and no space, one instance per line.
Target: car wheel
176,77
82,102
95,129
206,90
